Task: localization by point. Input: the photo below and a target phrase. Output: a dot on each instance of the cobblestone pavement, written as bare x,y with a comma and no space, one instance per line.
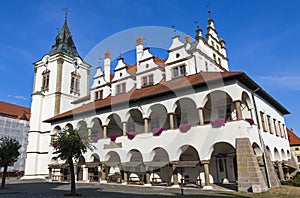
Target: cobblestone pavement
44,189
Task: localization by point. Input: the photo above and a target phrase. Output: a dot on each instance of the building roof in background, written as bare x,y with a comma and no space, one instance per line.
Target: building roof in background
14,111
293,138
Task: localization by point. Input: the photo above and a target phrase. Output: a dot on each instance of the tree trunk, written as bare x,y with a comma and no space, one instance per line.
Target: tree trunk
73,187
4,176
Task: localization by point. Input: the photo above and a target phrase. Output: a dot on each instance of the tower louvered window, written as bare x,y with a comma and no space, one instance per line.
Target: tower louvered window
75,83
45,83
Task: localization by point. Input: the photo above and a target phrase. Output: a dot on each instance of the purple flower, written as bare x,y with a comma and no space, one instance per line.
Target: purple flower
157,131
132,134
95,139
250,120
113,137
184,127
54,145
218,123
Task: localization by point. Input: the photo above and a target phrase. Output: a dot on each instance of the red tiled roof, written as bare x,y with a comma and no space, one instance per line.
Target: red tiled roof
167,87
161,88
159,61
293,138
82,99
13,111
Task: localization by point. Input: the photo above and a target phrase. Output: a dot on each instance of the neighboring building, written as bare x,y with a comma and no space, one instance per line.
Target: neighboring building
186,119
14,123
295,146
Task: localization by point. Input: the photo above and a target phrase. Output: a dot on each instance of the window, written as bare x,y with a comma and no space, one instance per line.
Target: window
297,149
206,66
275,128
75,83
298,158
147,80
270,124
178,71
121,88
45,83
262,119
99,95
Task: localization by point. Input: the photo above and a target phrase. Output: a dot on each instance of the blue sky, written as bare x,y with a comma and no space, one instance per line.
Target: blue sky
262,37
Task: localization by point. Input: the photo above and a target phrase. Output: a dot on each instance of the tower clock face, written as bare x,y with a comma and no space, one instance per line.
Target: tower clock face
75,63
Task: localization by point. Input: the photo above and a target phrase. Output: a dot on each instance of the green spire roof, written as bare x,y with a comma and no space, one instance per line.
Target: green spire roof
64,43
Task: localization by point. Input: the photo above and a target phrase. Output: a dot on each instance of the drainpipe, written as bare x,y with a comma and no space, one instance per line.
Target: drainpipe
261,140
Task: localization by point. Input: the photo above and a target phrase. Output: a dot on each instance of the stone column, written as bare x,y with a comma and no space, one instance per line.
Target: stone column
75,171
206,172
50,174
103,172
89,132
171,120
175,175
280,170
85,175
124,128
201,116
125,176
146,125
238,110
104,132
147,177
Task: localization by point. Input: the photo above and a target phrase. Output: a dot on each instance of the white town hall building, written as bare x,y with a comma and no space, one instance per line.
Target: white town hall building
183,120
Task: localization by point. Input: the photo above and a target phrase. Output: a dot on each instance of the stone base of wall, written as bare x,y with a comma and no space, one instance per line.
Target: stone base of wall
250,178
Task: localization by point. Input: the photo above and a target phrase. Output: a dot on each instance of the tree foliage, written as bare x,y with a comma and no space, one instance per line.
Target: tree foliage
9,153
71,144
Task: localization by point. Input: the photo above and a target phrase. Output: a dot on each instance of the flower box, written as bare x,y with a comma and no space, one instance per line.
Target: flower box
250,120
132,134
95,139
218,123
157,131
113,137
184,127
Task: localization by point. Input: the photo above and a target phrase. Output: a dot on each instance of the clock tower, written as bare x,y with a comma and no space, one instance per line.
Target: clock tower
60,77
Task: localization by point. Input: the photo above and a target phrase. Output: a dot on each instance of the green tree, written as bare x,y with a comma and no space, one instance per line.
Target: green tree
9,153
70,144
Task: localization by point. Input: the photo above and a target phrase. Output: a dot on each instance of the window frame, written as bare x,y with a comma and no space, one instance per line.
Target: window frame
181,71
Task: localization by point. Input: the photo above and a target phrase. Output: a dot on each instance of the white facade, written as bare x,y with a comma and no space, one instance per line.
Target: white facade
191,87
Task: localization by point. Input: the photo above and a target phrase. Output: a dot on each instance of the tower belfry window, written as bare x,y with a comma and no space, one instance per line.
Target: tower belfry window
45,82
75,83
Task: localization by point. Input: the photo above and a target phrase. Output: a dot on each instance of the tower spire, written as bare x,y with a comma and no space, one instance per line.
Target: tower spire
66,10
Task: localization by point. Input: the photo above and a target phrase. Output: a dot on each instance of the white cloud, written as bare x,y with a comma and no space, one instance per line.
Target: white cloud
282,82
17,97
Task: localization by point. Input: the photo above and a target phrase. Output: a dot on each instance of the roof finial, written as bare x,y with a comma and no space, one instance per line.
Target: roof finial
99,61
208,10
66,10
174,28
197,25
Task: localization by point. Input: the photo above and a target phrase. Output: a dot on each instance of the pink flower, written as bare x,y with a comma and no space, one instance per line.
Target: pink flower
54,145
95,139
184,127
132,134
250,120
113,137
218,123
157,131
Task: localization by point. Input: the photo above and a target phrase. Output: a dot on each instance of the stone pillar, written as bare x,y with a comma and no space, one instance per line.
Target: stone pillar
103,172
125,176
201,116
75,171
104,132
206,172
50,174
85,175
147,177
146,125
175,175
280,170
238,110
89,133
124,128
171,120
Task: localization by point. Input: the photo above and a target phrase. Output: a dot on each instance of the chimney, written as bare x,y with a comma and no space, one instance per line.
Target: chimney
139,49
107,66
